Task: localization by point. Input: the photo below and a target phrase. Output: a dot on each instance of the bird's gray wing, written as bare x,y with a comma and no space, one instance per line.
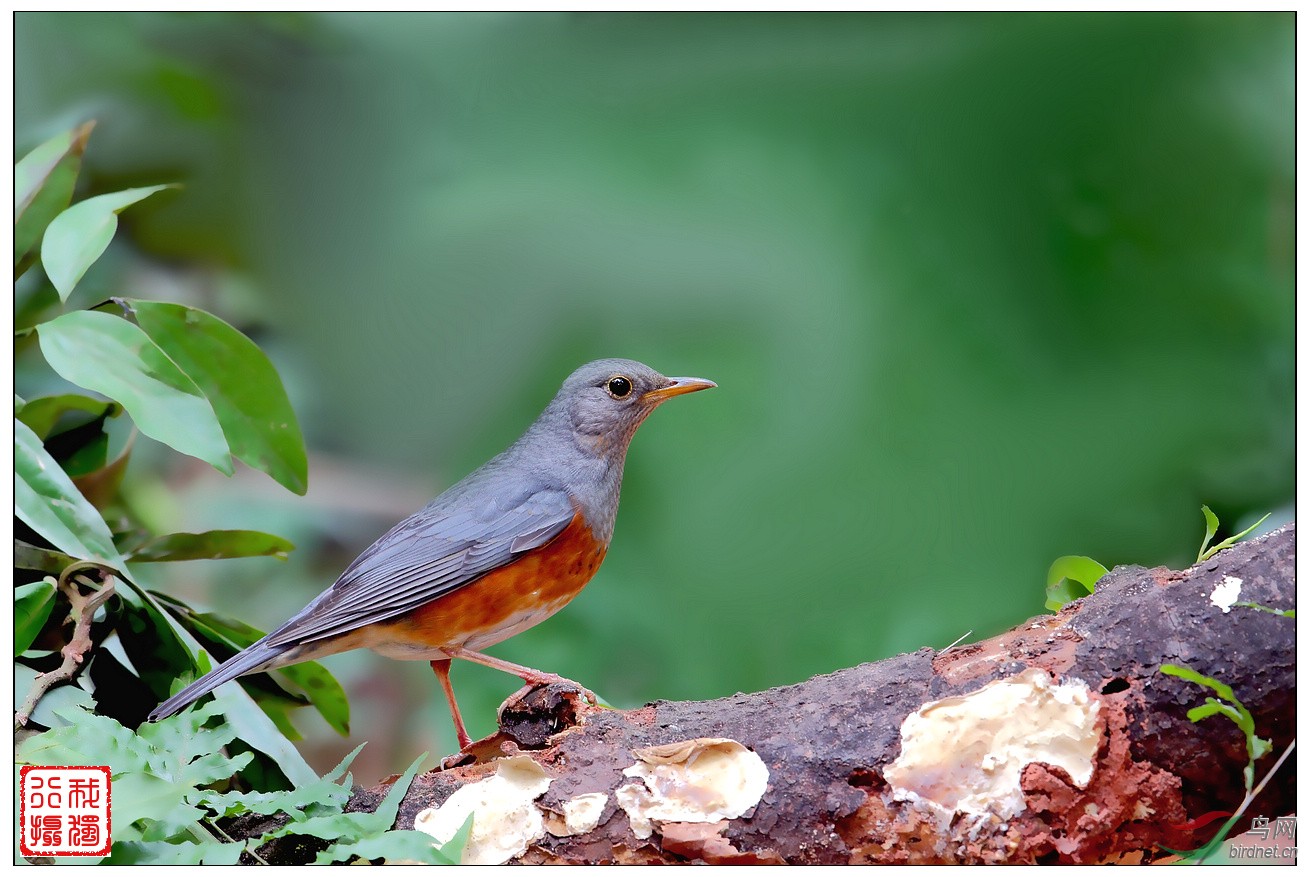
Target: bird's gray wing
425,556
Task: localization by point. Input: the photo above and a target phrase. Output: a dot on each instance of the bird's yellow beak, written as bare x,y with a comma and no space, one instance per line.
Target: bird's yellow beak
676,387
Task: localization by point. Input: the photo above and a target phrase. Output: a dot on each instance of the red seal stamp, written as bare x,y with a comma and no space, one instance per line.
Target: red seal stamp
63,811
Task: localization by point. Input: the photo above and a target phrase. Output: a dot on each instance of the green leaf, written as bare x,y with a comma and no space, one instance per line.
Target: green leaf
1062,593
323,690
1081,569
223,853
308,800
240,383
348,827
162,650
24,678
1192,676
87,739
258,730
159,649
1211,527
172,642
212,545
1233,540
277,707
76,238
46,500
32,606
163,852
100,486
143,796
90,457
1204,711
1213,707
1259,607
42,414
330,826
163,812
1070,578
395,847
452,851
58,701
115,358
189,753
1256,747
43,185
390,805
40,559
320,686
158,772
236,634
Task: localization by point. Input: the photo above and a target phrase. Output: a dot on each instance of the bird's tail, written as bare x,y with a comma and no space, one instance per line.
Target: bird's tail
257,657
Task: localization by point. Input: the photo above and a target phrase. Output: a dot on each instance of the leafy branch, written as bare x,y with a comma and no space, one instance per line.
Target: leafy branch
1074,576
1201,855
1071,577
1259,607
170,807
1212,527
169,372
1231,708
82,609
1256,747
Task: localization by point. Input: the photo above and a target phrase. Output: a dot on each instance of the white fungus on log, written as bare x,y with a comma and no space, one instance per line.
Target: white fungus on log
700,780
505,818
966,754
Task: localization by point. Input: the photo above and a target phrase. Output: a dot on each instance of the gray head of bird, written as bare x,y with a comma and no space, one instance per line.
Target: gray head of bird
604,402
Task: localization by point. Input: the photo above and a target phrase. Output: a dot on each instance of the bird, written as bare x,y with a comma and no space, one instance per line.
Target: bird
495,554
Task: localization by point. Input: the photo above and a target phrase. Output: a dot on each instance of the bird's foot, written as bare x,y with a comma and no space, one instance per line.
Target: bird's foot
536,682
532,677
456,760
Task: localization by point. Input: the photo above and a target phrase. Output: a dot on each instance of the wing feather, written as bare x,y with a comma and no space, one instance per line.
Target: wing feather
426,556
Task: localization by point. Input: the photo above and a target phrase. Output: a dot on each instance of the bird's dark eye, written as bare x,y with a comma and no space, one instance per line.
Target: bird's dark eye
619,386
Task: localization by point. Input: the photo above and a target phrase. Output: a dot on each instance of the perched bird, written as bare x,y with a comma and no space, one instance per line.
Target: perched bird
497,553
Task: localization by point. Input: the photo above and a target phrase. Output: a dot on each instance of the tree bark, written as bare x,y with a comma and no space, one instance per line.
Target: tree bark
828,743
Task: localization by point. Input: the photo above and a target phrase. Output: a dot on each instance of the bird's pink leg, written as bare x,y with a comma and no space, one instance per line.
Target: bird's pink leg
527,674
442,669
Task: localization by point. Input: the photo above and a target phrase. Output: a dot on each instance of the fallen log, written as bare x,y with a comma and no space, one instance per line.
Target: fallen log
1058,741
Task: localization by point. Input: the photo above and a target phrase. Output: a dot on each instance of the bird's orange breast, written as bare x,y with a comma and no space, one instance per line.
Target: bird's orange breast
506,601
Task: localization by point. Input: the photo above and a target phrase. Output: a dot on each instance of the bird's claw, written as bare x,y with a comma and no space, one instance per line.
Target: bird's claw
456,760
587,694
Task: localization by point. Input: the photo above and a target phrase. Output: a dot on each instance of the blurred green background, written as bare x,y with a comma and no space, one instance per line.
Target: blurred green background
978,290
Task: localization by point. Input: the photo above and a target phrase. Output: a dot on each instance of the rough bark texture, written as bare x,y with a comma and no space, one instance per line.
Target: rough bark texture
827,741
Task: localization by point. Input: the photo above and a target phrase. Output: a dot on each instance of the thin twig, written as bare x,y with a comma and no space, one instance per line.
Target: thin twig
82,608
959,640
214,826
1260,787
1198,856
